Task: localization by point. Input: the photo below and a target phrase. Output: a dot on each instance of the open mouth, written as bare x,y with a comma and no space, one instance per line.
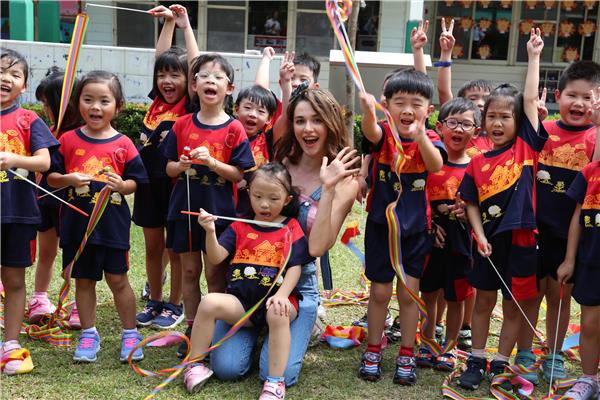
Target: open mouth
576,113
168,91
265,214
310,140
456,139
5,88
95,118
210,92
250,123
405,121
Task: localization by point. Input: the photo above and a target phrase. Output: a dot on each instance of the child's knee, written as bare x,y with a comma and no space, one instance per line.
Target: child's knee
276,319
484,303
13,280
117,282
380,292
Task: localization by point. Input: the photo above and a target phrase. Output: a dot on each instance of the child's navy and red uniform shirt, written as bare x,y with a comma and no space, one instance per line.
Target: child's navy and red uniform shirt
501,183
479,145
22,133
585,190
152,199
566,152
83,154
412,208
227,143
258,253
447,267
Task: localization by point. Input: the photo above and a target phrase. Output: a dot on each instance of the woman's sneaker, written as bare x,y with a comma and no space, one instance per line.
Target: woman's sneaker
152,310
129,341
526,358
583,389
88,347
170,317
370,366
557,362
273,391
15,361
195,376
406,371
425,358
473,375
445,362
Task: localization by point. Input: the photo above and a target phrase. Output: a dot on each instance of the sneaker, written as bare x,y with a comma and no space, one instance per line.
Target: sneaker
170,317
464,339
393,333
389,320
88,347
406,371
559,367
317,331
425,358
15,361
370,366
195,376
473,375
129,341
152,310
439,332
445,362
273,391
74,321
145,295
526,358
182,350
39,306
498,367
583,389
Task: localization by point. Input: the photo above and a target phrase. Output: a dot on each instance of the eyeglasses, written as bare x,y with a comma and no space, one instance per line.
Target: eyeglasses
452,123
204,75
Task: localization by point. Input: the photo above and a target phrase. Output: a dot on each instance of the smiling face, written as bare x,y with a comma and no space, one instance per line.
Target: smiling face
456,139
212,84
574,102
172,84
310,130
406,109
253,116
12,81
98,106
268,196
500,123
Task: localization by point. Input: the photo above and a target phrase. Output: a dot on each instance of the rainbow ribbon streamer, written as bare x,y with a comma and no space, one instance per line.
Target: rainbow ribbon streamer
69,79
173,372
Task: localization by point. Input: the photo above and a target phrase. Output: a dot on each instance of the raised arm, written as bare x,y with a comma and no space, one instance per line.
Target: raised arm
262,73
532,80
183,22
166,33
444,77
418,39
371,130
286,72
595,118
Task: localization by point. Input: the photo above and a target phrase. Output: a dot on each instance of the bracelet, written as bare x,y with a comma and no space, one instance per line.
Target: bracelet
442,64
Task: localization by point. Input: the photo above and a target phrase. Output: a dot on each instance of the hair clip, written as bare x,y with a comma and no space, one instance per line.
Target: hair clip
301,88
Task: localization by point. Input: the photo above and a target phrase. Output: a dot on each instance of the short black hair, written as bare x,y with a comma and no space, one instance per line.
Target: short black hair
173,59
14,58
459,105
409,81
199,61
585,70
510,94
259,95
277,171
312,63
102,77
482,84
49,91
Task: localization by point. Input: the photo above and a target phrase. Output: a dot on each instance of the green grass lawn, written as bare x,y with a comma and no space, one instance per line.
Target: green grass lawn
325,373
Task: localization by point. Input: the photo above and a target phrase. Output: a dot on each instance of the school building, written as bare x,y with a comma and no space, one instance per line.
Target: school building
490,36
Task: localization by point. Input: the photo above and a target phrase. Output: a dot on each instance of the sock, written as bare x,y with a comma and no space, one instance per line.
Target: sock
90,330
592,377
406,351
129,331
40,294
275,379
190,322
374,348
500,357
478,353
10,345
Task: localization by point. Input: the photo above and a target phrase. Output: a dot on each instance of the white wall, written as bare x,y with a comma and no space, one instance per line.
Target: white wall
394,15
100,26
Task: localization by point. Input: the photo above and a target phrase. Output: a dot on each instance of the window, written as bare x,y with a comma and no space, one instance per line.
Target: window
481,28
68,13
568,28
4,20
549,80
368,26
226,26
134,29
313,30
192,11
267,25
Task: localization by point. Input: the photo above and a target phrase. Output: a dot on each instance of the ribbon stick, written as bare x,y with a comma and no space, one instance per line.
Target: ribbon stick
560,301
69,79
116,8
248,221
186,152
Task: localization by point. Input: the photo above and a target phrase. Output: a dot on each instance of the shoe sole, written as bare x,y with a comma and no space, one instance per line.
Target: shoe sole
85,359
138,358
470,387
173,325
143,324
369,378
404,382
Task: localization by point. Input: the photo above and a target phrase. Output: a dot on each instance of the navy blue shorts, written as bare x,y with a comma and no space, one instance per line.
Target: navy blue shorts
551,253
447,270
49,218
95,260
514,254
16,245
585,289
415,249
178,238
151,203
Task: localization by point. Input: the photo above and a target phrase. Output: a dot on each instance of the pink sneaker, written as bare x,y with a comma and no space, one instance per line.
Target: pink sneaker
15,361
273,391
74,321
39,307
195,376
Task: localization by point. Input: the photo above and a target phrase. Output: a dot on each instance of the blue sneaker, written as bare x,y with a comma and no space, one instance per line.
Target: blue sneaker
558,362
152,310
526,358
88,347
170,317
128,341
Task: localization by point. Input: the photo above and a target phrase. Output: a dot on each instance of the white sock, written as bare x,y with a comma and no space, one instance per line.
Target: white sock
90,330
125,331
10,345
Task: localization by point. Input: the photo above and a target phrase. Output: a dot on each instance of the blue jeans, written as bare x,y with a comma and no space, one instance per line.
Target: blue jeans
232,359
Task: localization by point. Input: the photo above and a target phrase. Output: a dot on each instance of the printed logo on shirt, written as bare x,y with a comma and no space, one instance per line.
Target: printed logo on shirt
266,253
11,142
80,152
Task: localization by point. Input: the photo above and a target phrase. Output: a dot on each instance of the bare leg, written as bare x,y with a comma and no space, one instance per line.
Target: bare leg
13,280
552,300
379,299
525,337
589,342
469,306
124,298
215,276
431,304
85,297
279,340
484,305
48,247
409,317
176,277
441,307
192,267
514,323
155,245
454,319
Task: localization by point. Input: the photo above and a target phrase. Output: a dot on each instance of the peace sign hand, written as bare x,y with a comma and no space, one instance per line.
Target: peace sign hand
594,112
447,40
535,43
541,107
418,36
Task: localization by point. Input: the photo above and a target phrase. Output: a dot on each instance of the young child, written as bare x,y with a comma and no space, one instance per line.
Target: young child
408,98
219,152
499,190
450,260
258,255
90,158
48,92
570,148
583,258
170,101
254,107
25,148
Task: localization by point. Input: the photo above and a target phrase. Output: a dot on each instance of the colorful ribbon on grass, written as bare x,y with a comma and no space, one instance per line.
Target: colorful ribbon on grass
172,372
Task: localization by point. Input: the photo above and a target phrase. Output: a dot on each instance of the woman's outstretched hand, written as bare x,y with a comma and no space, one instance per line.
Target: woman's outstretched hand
339,168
